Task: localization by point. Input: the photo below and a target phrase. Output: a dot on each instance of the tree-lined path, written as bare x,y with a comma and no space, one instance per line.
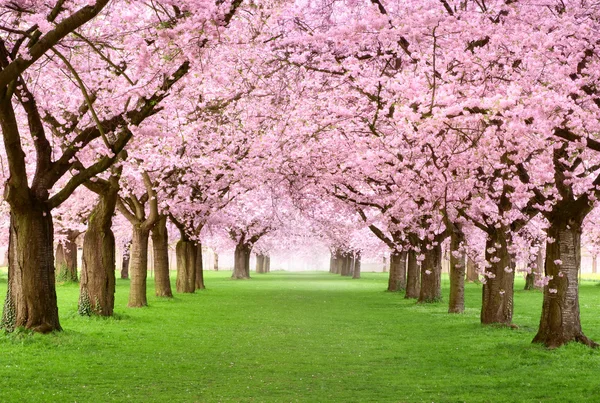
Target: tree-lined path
296,337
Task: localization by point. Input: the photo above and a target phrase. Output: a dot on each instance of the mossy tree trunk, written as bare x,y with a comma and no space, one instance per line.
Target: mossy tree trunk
413,281
97,286
160,246
431,274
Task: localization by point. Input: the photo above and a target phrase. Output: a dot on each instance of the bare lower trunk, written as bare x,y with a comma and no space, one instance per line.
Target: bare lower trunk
139,267
66,258
216,266
199,281
472,276
456,302
61,263
31,294
125,263
348,264
241,265
431,275
260,263
160,247
356,273
397,279
498,289
267,264
186,266
560,321
97,286
413,281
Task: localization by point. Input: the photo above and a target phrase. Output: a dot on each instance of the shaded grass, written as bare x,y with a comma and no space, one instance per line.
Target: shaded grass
307,337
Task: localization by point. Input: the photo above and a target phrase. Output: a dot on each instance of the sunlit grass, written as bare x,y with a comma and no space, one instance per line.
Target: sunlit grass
307,337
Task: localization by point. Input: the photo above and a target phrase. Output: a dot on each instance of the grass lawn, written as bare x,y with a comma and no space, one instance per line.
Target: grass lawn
306,337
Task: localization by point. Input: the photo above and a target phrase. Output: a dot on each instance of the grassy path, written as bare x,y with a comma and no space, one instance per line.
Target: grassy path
307,337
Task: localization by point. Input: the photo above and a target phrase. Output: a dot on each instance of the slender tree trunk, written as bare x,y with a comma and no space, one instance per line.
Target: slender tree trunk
331,262
199,281
125,263
497,301
160,246
216,266
241,265
594,264
339,261
431,275
456,302
97,286
260,263
356,273
529,281
139,267
186,266
31,293
397,279
560,321
413,274
472,276
267,264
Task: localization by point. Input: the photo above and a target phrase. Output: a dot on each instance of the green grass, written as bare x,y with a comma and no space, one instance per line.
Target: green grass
306,337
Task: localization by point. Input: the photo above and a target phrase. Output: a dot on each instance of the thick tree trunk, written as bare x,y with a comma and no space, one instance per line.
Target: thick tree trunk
160,247
260,263
498,289
431,275
199,281
456,302
125,262
186,266
31,294
560,321
97,286
472,276
139,267
348,264
397,278
413,283
241,265
356,272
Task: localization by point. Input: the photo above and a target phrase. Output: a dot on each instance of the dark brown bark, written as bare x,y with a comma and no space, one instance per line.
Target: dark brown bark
260,263
498,289
199,280
138,269
356,272
431,274
241,265
413,274
472,276
456,302
397,278
31,294
560,321
125,262
97,286
160,247
186,266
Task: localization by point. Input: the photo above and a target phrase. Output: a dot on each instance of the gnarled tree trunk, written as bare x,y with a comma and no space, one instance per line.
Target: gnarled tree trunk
160,247
199,280
139,267
560,321
186,266
397,279
431,275
31,295
456,302
241,265
413,283
97,286
498,289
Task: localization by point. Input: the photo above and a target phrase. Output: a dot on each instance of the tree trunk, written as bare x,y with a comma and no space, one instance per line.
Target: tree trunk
331,262
594,264
413,284
31,294
241,265
397,278
385,268
347,264
497,300
472,276
267,264
431,275
560,321
160,247
529,281
61,263
356,273
216,266
260,263
199,281
139,267
456,302
186,266
126,260
97,286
